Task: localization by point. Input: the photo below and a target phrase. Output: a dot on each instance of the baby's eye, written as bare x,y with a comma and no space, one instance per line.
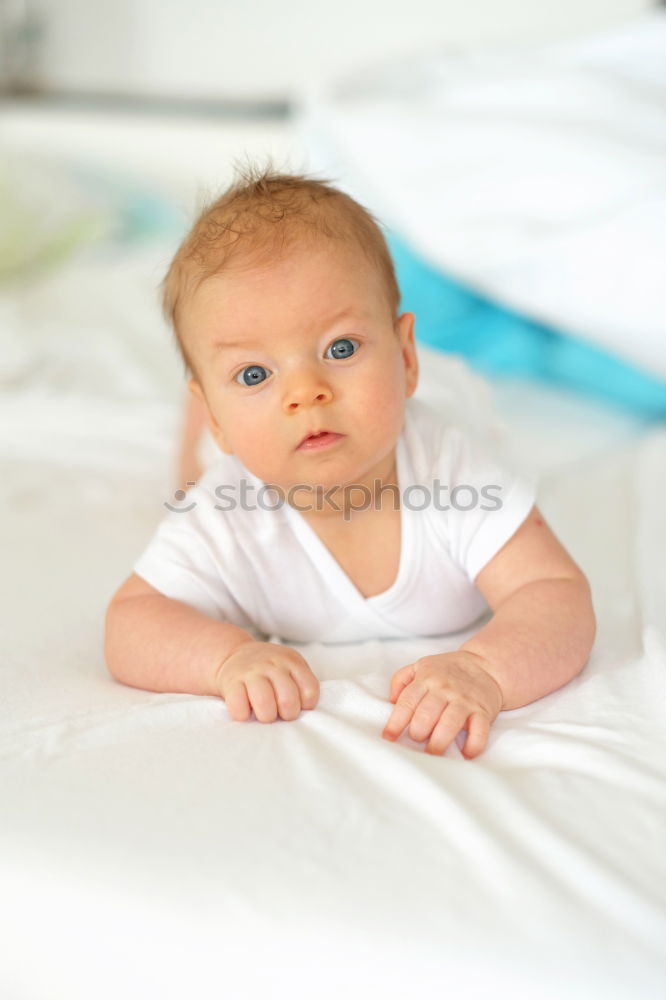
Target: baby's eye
342,348
252,375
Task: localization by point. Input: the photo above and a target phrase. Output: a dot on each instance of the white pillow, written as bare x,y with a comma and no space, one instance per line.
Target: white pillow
535,176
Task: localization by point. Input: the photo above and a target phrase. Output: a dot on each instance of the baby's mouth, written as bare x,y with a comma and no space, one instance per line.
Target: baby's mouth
320,439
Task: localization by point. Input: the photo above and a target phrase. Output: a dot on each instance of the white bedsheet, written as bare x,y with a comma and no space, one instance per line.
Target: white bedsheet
152,847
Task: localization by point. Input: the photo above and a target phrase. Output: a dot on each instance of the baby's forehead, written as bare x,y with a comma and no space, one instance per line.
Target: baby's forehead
348,269
318,280
326,251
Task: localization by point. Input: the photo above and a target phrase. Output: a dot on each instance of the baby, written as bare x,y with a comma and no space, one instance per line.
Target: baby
340,508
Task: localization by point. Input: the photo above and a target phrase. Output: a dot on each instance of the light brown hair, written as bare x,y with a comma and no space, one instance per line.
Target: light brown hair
262,214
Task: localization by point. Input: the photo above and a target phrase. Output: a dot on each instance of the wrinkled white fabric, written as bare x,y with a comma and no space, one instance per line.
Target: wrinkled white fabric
152,848
150,832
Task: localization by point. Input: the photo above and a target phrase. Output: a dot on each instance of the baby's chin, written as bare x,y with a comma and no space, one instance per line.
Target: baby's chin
315,472
333,470
305,486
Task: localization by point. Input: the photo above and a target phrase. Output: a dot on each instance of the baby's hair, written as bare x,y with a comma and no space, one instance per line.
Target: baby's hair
262,214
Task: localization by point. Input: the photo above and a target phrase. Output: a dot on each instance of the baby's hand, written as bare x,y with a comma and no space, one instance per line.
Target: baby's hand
441,695
270,678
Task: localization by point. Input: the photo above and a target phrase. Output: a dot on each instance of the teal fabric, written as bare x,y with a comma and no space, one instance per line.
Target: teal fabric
139,213
495,340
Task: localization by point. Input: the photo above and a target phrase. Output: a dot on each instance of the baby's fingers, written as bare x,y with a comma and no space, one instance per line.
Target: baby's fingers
287,695
237,701
262,698
451,721
306,682
401,678
400,717
477,735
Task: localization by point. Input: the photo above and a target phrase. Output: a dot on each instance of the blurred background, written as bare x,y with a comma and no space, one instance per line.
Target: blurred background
259,52
514,154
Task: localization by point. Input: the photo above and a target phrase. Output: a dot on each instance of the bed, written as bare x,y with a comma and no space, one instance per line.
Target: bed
152,847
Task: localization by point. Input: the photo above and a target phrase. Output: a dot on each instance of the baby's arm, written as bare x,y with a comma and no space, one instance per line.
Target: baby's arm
159,644
543,625
188,467
539,639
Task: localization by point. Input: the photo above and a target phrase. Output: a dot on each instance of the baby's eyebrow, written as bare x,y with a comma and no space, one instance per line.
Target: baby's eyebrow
225,345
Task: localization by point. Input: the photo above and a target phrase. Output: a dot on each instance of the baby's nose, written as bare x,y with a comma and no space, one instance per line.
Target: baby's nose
306,390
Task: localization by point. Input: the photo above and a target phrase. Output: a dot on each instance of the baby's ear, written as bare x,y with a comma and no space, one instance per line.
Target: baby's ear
195,389
409,355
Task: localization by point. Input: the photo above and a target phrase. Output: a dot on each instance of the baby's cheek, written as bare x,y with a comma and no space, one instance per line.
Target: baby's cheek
387,408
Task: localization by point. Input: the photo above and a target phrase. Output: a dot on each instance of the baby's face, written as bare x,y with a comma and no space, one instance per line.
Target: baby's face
279,360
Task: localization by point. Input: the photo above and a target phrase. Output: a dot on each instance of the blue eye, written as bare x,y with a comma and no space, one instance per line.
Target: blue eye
252,375
342,348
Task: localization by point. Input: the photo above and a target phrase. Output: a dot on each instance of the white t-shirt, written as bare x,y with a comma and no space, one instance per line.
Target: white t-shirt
260,565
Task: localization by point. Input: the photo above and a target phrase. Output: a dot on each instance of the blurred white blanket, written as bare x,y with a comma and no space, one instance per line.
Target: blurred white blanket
152,847
535,176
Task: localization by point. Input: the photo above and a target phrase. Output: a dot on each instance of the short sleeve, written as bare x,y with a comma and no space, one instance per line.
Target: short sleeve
178,563
487,501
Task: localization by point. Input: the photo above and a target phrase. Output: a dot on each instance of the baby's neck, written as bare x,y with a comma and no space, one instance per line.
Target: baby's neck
346,502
